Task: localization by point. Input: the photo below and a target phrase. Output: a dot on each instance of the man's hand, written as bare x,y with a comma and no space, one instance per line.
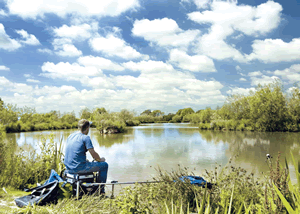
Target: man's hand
96,156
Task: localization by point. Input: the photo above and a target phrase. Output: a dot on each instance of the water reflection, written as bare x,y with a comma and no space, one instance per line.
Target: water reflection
130,155
251,147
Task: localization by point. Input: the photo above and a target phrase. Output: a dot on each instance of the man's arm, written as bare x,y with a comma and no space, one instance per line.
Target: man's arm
95,155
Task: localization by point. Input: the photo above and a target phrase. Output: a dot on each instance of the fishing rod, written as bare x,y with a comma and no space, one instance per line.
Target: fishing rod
113,183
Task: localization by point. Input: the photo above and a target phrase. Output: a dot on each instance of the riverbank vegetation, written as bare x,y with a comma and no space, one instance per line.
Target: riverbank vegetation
234,191
268,108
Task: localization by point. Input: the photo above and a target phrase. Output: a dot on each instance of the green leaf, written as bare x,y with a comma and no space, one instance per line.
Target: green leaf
284,201
229,210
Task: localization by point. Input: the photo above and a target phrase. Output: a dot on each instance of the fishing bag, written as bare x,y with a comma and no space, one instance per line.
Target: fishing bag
196,180
40,195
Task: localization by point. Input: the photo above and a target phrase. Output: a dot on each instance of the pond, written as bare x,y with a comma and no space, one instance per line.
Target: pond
135,154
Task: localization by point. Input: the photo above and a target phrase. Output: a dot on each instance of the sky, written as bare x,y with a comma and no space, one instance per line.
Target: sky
67,55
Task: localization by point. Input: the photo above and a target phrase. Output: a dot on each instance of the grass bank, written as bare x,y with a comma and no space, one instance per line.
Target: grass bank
235,191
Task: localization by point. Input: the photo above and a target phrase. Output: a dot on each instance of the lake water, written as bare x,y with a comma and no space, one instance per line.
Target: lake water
134,155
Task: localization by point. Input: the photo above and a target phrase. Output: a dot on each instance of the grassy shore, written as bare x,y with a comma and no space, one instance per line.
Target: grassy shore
235,191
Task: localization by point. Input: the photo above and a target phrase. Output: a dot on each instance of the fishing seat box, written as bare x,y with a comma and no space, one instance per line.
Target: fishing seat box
78,180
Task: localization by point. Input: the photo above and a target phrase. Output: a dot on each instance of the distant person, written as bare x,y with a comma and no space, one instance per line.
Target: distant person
75,161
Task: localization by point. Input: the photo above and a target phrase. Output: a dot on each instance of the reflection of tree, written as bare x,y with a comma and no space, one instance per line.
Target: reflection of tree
152,132
252,147
109,140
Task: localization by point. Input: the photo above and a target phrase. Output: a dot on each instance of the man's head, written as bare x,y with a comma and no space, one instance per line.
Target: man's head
84,126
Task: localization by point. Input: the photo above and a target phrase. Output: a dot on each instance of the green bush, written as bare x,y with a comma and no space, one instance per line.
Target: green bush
176,119
21,169
132,123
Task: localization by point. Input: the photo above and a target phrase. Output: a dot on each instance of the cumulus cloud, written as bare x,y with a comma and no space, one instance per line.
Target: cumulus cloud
254,74
275,50
158,85
14,87
3,13
100,63
242,79
241,91
263,79
33,81
196,63
67,71
68,50
4,68
45,50
28,39
114,46
292,74
149,66
164,32
227,18
34,8
64,47
76,32
6,42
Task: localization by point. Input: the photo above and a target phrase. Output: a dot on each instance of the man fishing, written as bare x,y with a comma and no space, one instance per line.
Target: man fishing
75,160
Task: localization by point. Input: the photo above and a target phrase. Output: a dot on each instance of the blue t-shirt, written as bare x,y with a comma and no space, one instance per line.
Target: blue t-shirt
75,151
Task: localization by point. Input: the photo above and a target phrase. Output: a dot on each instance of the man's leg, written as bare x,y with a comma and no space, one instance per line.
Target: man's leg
101,168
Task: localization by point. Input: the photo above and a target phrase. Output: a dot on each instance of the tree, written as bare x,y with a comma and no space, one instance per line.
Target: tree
85,113
101,110
146,112
268,107
126,115
185,111
157,113
69,118
26,113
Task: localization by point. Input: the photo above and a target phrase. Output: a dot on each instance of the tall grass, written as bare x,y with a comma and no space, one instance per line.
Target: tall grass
234,191
21,168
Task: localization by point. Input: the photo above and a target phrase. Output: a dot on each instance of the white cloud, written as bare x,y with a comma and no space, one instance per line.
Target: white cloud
238,68
27,75
64,47
148,66
275,50
292,74
114,46
164,32
77,32
263,80
45,90
4,68
199,3
29,39
3,13
45,50
243,79
68,50
242,91
196,63
33,80
100,63
35,8
102,82
227,18
6,42
15,87
255,73
4,82
68,71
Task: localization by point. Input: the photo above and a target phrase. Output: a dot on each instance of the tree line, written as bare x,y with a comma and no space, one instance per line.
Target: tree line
268,108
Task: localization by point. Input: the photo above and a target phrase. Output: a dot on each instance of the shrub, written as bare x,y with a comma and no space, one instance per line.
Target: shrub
132,123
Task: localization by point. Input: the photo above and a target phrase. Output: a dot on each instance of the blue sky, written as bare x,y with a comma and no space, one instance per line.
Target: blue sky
68,55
